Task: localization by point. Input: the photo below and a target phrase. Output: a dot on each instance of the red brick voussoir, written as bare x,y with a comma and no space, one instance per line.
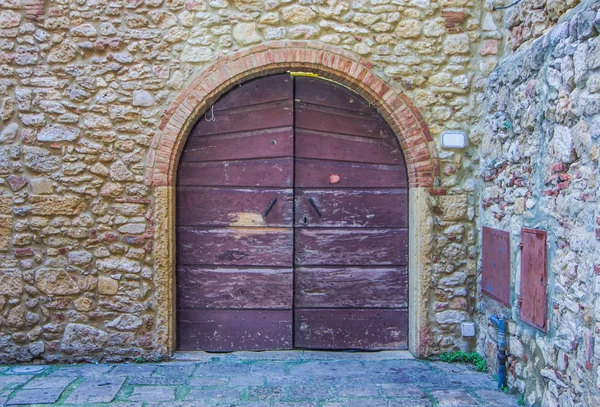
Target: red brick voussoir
327,61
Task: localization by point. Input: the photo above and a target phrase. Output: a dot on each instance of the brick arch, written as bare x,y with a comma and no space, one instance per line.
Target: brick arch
279,56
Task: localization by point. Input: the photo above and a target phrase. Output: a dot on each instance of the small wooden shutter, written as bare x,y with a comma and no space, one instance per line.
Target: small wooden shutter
495,278
534,278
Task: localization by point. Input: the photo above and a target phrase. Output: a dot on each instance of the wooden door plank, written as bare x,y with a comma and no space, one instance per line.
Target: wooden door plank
324,93
351,287
352,208
274,142
233,330
256,91
327,146
374,329
330,120
235,246
201,206
317,174
213,288
348,247
274,172
265,116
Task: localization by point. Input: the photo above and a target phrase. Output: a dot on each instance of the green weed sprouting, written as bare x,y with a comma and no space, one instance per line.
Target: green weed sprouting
472,358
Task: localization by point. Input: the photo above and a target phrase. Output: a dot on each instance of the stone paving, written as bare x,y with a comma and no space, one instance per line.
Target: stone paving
261,379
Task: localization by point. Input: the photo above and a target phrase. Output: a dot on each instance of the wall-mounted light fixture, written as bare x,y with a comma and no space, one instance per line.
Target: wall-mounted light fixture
454,139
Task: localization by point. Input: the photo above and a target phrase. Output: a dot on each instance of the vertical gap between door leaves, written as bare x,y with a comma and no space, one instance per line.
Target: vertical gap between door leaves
293,211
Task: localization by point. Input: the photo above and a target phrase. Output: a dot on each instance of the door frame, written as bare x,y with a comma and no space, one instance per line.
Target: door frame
331,63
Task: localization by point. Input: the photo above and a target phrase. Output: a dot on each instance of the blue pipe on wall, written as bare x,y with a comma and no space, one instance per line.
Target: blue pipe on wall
501,324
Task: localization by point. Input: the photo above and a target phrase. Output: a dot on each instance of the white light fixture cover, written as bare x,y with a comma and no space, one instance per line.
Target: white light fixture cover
454,139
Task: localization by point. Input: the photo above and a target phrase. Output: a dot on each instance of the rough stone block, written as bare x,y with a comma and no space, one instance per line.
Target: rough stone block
55,282
80,339
57,205
5,232
11,282
107,286
454,207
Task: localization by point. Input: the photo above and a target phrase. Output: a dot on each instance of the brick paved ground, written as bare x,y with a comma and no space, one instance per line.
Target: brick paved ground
270,379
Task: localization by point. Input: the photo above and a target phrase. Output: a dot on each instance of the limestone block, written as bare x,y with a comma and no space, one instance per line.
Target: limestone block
457,44
55,282
57,205
297,14
41,186
125,323
107,286
454,207
133,228
119,172
246,33
193,53
80,257
58,132
11,282
39,160
83,304
7,107
5,232
16,317
409,28
130,209
9,19
9,133
5,205
80,339
142,98
246,5
84,30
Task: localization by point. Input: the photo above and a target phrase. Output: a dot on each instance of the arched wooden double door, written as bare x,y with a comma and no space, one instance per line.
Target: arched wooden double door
292,215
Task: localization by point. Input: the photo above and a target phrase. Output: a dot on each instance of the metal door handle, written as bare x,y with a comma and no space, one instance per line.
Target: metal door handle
314,205
270,206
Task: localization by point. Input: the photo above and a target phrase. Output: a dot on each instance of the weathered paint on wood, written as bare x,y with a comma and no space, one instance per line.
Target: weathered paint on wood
328,146
264,116
245,288
351,246
273,142
316,173
231,330
233,207
351,287
256,91
352,207
235,246
351,328
534,278
274,172
324,93
338,121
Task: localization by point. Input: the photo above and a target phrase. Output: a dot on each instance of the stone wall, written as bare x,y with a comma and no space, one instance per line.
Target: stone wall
84,85
539,169
530,19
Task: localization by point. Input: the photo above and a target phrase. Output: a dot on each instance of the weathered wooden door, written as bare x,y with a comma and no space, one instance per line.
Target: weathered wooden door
291,223
351,251
234,222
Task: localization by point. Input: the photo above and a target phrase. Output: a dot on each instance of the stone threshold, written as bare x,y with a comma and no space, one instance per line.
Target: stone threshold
291,355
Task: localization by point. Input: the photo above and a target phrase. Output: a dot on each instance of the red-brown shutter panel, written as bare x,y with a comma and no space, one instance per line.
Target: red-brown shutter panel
534,278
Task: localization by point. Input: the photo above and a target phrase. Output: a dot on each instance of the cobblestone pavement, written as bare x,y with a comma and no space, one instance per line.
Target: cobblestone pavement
267,379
